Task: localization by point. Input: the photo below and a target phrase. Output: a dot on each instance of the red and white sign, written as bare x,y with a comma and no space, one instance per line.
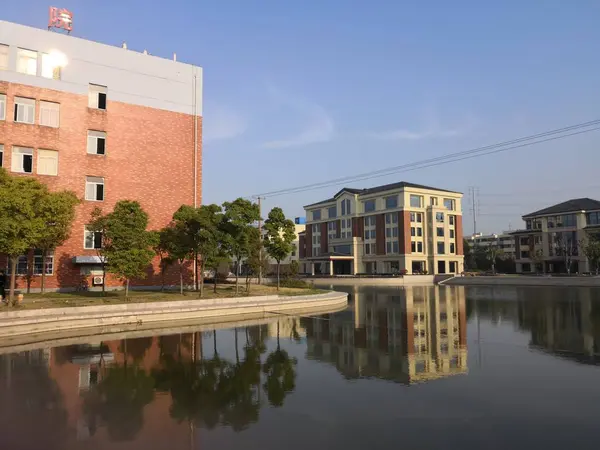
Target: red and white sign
60,18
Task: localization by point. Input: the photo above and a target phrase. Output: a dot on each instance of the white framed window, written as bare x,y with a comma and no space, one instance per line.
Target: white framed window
331,230
449,204
96,142
434,201
439,217
38,264
22,160
47,162
49,114
24,110
97,96
1,155
92,239
27,61
2,106
416,201
22,265
94,189
49,67
3,57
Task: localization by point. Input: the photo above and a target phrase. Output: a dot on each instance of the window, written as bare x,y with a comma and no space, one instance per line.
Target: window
97,96
419,217
94,189
370,221
413,231
92,239
49,67
332,230
391,202
49,114
419,231
452,248
441,248
1,155
419,247
593,218
343,249
316,214
451,220
26,61
2,107
440,231
369,206
22,265
3,57
391,247
315,228
38,263
96,145
413,246
47,162
434,201
332,212
346,207
439,217
391,218
22,160
416,201
449,204
416,217
451,234
416,247
24,110
368,249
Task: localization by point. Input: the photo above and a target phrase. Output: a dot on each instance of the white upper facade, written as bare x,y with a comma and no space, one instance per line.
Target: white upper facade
129,76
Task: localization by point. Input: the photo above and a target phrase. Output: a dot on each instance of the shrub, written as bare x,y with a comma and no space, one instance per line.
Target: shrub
292,283
403,272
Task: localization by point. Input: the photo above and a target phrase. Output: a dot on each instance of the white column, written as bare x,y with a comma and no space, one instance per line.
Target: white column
330,267
312,269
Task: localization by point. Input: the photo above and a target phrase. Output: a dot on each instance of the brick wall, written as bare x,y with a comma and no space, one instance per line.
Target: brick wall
358,227
324,243
308,241
149,158
302,245
404,232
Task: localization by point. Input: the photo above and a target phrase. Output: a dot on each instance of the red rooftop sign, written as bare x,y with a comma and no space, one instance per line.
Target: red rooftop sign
60,18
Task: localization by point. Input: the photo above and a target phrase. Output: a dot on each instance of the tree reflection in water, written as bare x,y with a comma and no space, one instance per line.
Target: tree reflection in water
281,374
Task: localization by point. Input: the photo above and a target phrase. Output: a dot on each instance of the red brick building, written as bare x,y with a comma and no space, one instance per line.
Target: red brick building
105,122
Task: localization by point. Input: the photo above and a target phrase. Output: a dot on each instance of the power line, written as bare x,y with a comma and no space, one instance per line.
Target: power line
559,133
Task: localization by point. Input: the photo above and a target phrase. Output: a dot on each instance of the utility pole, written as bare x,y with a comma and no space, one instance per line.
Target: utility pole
260,251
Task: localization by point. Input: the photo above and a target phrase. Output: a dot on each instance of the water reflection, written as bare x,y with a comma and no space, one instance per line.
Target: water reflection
407,336
265,380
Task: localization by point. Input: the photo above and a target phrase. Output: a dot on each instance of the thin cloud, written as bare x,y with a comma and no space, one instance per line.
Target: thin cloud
319,126
221,123
433,130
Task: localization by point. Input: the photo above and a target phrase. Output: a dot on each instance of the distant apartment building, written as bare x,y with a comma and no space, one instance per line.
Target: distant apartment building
107,123
552,231
504,241
385,229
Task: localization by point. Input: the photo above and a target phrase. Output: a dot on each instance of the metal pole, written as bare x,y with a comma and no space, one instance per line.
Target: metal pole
260,237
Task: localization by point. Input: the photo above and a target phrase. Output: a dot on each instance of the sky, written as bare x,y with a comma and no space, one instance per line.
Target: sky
303,92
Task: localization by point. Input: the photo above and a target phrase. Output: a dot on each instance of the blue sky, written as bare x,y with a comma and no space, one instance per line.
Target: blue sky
302,92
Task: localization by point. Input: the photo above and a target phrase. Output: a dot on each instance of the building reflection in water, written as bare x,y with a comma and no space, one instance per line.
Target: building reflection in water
408,336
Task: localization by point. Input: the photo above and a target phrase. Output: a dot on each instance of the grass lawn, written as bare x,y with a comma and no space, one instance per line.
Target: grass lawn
67,299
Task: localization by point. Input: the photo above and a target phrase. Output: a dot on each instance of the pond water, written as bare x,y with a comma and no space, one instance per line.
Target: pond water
444,367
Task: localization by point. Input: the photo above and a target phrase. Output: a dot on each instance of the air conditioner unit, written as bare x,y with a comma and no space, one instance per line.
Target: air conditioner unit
97,281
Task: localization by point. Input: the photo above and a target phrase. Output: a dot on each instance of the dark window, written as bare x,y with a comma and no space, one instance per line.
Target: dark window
97,239
441,248
451,220
332,212
27,163
369,205
413,231
413,246
316,215
440,231
101,100
99,192
439,217
101,146
452,248
391,202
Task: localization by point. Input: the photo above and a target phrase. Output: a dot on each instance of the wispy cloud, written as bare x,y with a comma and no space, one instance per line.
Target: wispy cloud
318,124
221,123
432,130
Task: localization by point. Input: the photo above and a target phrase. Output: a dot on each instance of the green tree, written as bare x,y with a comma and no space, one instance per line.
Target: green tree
591,250
202,229
174,242
130,250
98,225
240,216
469,256
493,252
21,225
294,268
257,257
280,235
57,210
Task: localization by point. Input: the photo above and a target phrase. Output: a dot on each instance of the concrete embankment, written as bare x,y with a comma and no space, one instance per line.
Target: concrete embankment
107,317
542,281
406,280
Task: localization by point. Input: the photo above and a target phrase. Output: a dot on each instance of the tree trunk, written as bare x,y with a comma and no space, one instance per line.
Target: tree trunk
196,269
237,276
215,344
215,281
43,285
237,352
278,264
201,280
103,278
181,277
13,280
278,348
163,270
126,288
